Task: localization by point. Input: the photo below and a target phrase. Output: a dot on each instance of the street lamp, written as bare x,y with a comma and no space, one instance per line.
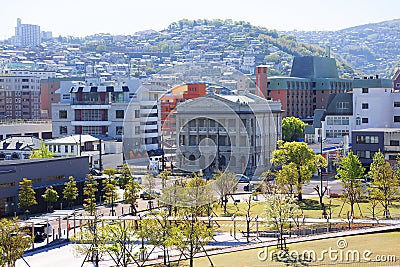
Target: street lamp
322,190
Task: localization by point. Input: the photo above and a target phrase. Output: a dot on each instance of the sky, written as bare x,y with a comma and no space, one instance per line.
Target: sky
85,17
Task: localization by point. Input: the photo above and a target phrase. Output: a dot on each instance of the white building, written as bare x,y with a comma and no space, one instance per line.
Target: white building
88,145
39,129
372,103
26,34
18,147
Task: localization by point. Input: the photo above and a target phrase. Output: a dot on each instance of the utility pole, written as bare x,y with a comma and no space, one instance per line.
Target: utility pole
100,161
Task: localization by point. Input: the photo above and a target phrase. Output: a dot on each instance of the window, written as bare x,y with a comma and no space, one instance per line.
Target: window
396,104
63,129
119,114
342,105
364,120
394,142
336,133
119,130
62,114
366,154
365,90
137,129
337,120
137,113
364,105
396,118
392,157
367,139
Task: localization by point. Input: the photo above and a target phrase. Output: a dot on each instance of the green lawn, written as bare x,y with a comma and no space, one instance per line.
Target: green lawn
383,244
311,208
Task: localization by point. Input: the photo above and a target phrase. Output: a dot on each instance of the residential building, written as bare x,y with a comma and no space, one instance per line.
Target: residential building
311,81
18,147
233,132
92,109
358,108
19,97
26,35
366,142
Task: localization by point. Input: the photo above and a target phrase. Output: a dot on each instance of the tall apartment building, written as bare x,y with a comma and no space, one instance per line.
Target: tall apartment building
19,97
311,81
26,34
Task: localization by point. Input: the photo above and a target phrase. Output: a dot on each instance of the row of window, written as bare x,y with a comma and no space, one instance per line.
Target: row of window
367,139
338,120
336,133
90,114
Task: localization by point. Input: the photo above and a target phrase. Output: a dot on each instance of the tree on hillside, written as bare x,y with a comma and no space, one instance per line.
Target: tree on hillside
292,129
303,159
50,196
70,192
14,240
26,195
42,152
350,173
225,184
384,187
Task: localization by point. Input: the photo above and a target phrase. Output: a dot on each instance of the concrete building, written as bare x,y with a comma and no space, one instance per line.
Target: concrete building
91,109
311,81
233,132
49,93
39,129
358,109
43,173
366,142
26,35
91,146
19,97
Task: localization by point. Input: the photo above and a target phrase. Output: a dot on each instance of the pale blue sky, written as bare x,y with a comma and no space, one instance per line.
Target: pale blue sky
85,17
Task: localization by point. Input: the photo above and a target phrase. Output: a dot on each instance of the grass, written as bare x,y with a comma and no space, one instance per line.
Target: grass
383,244
311,208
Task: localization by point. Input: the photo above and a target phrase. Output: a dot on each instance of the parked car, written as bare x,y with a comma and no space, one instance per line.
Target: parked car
149,195
241,178
95,172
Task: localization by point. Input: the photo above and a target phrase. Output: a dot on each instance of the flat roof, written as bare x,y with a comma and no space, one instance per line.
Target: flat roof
378,130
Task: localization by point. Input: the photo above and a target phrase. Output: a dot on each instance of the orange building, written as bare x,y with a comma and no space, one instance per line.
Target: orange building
179,94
